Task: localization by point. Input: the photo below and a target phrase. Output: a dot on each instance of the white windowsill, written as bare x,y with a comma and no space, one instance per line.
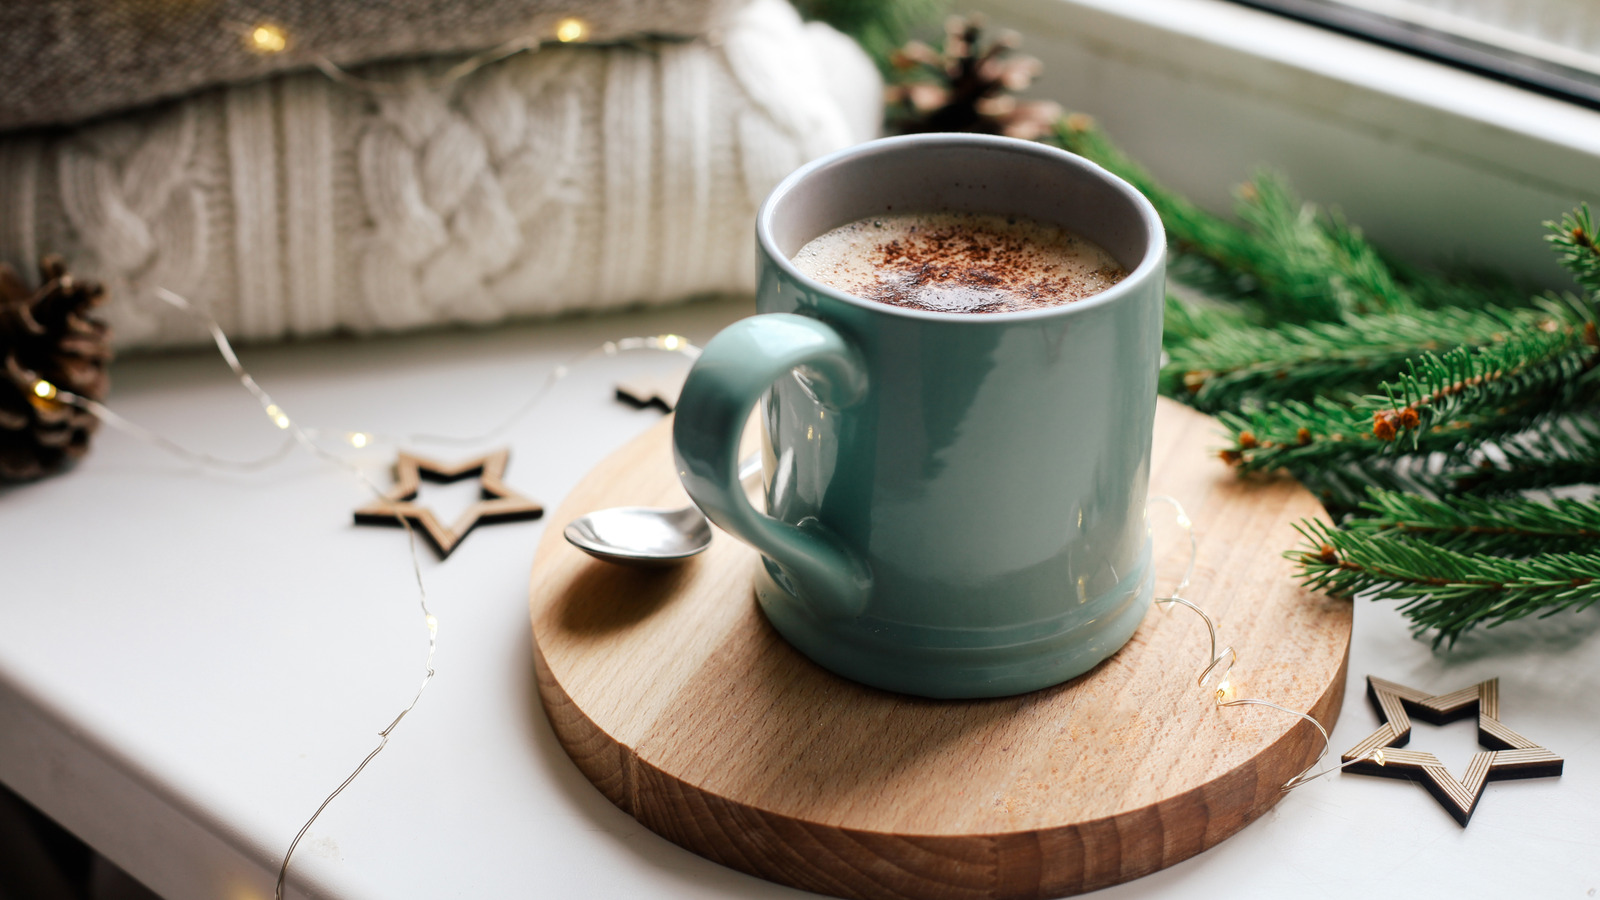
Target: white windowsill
1435,162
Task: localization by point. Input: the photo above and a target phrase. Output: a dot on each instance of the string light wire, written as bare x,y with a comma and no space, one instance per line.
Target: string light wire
1219,666
524,44
306,438
1225,658
269,38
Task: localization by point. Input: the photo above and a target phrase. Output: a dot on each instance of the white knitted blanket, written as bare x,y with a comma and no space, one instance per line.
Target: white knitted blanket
570,178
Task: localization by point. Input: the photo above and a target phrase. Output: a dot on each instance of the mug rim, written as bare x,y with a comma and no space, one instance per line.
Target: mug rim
1154,255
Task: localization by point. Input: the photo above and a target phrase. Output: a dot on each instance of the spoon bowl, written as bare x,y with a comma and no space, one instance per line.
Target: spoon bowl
646,536
641,535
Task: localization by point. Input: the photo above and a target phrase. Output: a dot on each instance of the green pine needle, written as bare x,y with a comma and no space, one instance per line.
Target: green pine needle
1441,590
1449,404
1314,264
1289,260
1417,405
1189,228
1236,364
1466,524
1574,240
1540,366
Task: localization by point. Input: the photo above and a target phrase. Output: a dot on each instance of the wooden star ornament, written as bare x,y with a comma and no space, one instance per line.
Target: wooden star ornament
658,390
1510,755
498,504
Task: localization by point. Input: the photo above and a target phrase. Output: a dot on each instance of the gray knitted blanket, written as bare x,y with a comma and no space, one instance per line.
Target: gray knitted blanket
64,61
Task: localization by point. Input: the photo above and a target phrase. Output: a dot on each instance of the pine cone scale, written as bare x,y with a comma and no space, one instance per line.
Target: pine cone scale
971,87
48,334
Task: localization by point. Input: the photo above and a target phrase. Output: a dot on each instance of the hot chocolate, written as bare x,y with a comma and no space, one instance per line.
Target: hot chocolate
959,262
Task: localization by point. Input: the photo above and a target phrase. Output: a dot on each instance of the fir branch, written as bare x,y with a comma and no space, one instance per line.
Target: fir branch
1236,363
1537,369
1299,435
1306,437
1574,241
1448,403
1514,526
1441,590
1295,262
1316,265
1204,277
1190,229
1185,322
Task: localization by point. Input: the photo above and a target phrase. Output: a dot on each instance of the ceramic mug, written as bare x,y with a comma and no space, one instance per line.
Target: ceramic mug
955,502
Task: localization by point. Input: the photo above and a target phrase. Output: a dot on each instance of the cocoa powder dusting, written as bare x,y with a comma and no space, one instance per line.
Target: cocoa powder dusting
959,262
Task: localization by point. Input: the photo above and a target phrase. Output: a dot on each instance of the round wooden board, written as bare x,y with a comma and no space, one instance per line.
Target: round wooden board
673,695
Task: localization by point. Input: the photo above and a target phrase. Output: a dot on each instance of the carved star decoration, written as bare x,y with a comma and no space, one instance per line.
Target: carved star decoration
1510,755
498,504
660,391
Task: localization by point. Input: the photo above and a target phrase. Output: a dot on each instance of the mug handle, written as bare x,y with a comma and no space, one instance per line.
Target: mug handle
735,369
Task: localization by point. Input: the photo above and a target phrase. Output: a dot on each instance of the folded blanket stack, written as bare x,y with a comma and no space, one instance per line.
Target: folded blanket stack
575,176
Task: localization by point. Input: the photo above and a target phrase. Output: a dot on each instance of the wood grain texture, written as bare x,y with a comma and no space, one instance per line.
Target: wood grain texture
673,695
496,503
1510,755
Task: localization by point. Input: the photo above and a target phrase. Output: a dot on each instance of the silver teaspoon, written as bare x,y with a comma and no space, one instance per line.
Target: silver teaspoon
643,536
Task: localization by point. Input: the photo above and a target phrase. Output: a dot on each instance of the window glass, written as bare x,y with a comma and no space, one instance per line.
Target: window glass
1552,46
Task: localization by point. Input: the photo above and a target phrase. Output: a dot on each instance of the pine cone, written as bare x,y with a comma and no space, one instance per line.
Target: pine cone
971,86
48,334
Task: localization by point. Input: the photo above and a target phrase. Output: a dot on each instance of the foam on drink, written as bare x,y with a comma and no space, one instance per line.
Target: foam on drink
959,262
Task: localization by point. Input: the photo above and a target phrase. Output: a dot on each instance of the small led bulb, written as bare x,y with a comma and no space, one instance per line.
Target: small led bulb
358,439
267,38
44,390
572,30
1224,689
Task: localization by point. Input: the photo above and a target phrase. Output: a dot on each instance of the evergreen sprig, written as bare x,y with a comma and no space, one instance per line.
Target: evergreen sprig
1535,370
1467,524
1237,363
1434,413
1291,261
1422,407
1574,240
1317,266
1441,590
1446,403
1185,323
1190,229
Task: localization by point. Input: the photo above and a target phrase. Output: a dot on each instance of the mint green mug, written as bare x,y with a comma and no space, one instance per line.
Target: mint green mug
955,503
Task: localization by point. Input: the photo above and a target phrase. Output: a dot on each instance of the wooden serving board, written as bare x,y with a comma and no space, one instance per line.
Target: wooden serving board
673,695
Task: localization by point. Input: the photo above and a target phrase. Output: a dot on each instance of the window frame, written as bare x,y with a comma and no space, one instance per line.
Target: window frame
1436,163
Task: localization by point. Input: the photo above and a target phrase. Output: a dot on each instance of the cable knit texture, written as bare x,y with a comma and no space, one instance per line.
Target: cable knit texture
570,178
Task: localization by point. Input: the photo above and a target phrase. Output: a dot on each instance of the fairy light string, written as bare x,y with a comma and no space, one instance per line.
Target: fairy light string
1221,661
306,437
270,38
1218,667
